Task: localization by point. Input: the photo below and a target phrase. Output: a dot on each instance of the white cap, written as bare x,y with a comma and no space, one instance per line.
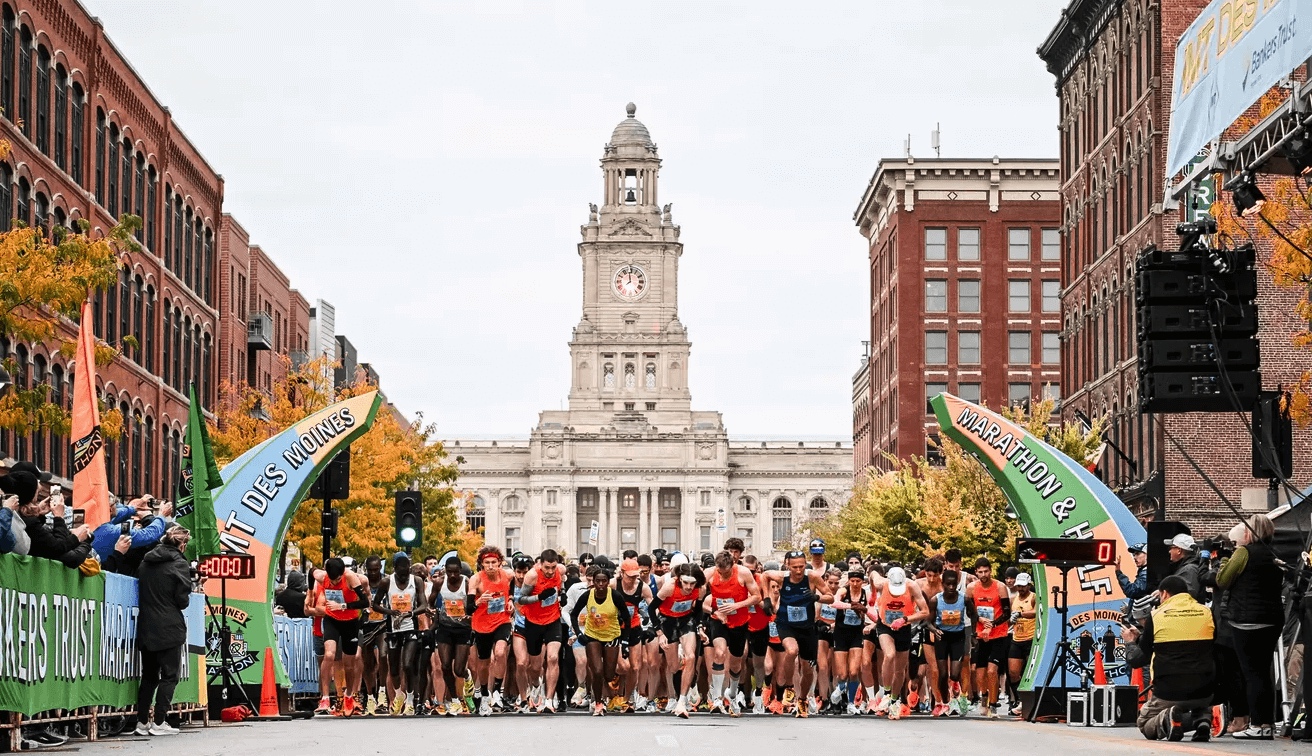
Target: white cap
897,581
678,558
1023,579
1182,541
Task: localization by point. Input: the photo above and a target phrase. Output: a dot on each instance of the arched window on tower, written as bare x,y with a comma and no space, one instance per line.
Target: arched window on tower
629,193
608,373
782,521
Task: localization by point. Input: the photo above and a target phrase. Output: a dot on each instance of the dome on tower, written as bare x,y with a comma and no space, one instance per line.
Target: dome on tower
631,131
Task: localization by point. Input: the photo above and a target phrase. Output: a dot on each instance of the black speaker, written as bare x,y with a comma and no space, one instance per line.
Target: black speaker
334,482
1159,556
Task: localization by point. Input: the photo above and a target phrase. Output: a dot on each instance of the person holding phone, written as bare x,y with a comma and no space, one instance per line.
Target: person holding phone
13,531
138,521
53,540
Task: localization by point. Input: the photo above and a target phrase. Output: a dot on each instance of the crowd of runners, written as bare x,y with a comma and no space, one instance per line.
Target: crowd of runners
658,633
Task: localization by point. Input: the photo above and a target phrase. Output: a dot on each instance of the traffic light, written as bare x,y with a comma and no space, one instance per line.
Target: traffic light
334,482
328,524
1197,325
409,519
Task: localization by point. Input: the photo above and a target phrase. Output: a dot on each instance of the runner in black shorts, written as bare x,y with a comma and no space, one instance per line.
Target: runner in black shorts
451,632
799,590
373,642
851,601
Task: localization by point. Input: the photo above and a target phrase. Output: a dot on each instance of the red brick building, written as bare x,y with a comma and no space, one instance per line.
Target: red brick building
1113,62
264,321
964,289
91,142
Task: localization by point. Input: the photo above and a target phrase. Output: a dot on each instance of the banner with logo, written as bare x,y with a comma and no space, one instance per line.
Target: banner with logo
261,491
1225,61
68,641
1053,496
296,651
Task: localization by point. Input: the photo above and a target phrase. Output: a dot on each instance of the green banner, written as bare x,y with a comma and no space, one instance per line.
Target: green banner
68,641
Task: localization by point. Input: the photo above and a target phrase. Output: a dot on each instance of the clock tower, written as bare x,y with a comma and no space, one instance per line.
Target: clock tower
629,352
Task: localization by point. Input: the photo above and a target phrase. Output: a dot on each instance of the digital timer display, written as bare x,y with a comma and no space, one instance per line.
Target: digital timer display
227,566
1078,551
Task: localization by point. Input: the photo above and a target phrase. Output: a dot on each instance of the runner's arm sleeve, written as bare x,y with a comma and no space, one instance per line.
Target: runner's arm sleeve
574,615
471,603
621,607
361,599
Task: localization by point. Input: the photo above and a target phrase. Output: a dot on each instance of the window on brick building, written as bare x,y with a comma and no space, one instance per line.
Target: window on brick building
936,244
968,347
7,65
61,117
968,296
932,390
126,178
148,327
1018,244
936,296
969,392
139,193
1051,244
152,209
1018,395
1018,347
1051,348
111,173
6,197
968,244
22,200
936,348
25,80
43,100
1052,296
1052,391
1018,296
100,156
75,127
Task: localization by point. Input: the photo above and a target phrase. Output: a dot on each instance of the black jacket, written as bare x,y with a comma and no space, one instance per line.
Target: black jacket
164,590
56,542
292,602
1255,593
1177,646
1189,571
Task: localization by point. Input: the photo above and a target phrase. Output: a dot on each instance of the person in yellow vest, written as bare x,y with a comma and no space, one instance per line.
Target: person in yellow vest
1024,608
1176,645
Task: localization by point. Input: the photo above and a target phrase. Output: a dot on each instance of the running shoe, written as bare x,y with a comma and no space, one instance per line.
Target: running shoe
776,707
990,712
398,704
680,710
485,708
812,705
741,700
789,697
852,710
409,710
963,705
143,729
671,705
1019,710
894,709
455,708
836,697
469,705
616,704
348,706
732,707
717,705
940,710
325,706
163,728
758,704
496,701
548,706
802,711
913,698
599,709
881,703
370,706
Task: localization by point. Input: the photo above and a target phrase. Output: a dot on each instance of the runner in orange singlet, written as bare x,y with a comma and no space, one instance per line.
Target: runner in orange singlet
490,622
733,591
539,600
990,604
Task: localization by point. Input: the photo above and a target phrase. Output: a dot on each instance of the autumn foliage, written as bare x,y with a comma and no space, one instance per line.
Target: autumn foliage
391,456
918,509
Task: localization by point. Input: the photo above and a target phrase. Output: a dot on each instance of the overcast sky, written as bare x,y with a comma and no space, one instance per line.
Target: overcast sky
425,168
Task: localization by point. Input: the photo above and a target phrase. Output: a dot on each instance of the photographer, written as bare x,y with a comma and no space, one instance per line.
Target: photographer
1184,565
1253,583
1138,588
142,528
164,587
1176,642
18,488
54,540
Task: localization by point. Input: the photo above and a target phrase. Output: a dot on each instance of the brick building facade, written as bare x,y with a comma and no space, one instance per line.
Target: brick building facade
964,277
1113,62
91,142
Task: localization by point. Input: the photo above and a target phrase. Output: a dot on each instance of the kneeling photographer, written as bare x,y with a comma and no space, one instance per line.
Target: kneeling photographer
1176,644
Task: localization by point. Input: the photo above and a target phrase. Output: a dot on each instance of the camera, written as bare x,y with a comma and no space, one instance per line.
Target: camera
1204,225
1216,547
125,527
1133,613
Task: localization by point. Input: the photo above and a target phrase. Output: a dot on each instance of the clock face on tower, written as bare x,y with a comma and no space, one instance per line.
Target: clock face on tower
630,282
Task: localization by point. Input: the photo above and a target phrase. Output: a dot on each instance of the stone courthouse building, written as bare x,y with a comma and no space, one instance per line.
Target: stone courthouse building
630,453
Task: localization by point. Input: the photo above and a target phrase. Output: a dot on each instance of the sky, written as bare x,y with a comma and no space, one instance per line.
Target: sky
425,167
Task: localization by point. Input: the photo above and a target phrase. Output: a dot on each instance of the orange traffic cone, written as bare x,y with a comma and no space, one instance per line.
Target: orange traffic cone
1136,679
1218,721
1099,671
269,690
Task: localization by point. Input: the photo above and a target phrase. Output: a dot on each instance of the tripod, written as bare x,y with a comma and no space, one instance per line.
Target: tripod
220,620
1059,596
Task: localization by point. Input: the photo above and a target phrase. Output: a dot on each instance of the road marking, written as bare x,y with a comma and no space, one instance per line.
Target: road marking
666,741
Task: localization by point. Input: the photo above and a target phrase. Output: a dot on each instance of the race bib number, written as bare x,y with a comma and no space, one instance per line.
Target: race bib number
891,616
797,614
985,613
774,630
334,596
496,605
721,603
519,621
454,607
828,613
851,618
375,616
950,618
681,607
402,602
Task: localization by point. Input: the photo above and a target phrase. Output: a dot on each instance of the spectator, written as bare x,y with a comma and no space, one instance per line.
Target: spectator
19,488
164,591
1184,565
150,528
116,560
292,598
1176,642
1253,583
1231,689
54,540
1137,588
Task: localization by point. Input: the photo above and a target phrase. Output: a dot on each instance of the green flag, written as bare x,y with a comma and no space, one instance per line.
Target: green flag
200,475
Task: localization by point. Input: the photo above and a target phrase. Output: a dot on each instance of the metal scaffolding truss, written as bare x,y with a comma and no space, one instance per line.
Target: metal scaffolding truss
1259,149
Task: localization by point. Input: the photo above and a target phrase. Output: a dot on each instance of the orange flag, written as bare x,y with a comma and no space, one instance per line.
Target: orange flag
90,484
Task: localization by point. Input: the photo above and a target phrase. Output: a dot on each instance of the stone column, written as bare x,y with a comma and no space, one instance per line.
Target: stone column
492,534
613,539
689,539
644,539
655,528
569,520
602,494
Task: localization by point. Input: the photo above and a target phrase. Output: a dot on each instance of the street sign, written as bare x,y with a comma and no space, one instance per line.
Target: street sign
592,532
721,520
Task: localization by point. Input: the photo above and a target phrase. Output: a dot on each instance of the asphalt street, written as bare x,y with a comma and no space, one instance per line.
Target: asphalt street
643,735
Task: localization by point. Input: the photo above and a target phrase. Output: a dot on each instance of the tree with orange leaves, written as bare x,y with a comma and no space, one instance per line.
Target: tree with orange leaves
389,457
